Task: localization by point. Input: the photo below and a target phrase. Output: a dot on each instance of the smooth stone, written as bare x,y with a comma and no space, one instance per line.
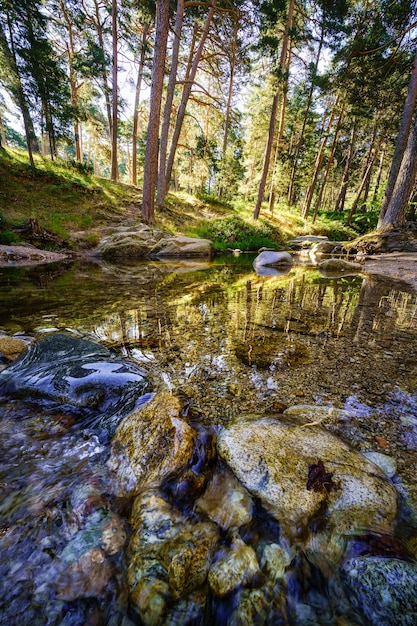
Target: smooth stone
151,444
168,556
274,561
382,589
386,463
237,566
306,413
225,501
272,258
271,459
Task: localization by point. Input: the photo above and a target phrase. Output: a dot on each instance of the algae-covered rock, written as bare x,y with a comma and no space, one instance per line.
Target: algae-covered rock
272,459
382,589
151,444
169,556
339,265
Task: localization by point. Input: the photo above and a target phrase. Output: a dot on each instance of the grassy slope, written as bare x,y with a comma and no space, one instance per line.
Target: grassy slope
65,200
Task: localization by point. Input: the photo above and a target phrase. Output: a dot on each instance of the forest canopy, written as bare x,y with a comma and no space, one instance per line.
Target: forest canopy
310,103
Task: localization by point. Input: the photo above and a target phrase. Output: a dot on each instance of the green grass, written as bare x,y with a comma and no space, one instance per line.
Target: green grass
65,198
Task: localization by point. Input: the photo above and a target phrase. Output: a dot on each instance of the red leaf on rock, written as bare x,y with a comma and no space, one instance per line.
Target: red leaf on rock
318,478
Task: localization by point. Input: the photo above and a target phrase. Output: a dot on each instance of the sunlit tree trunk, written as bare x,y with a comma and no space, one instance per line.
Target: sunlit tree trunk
272,119
162,181
18,93
229,100
306,114
319,161
114,160
340,202
158,69
186,94
136,105
329,164
394,216
402,139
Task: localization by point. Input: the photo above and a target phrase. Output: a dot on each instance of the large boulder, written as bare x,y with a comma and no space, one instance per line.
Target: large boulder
145,242
272,258
277,461
65,373
182,247
129,243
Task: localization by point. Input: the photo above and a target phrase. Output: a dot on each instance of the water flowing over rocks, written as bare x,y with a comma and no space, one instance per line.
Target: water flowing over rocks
65,373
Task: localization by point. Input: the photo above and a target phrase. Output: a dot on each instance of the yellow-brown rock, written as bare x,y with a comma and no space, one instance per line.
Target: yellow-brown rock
151,444
11,347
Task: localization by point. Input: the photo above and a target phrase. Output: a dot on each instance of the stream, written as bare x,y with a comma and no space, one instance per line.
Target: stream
228,343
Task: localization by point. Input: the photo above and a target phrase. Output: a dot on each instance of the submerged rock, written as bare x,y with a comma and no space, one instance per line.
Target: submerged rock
272,459
339,265
151,445
63,372
236,566
383,590
11,347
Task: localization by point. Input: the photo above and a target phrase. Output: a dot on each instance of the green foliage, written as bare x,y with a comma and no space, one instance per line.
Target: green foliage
235,232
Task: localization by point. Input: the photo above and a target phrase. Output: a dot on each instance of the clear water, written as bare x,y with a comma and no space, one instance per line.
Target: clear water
229,342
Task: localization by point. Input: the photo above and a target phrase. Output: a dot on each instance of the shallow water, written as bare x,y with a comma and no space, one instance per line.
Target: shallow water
229,342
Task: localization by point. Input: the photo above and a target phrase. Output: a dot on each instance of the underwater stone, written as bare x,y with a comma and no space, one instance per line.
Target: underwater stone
64,372
151,444
237,566
382,589
271,459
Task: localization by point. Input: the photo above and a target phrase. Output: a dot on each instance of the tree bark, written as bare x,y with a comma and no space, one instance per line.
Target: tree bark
306,114
365,178
158,70
402,139
186,94
136,106
394,216
319,161
329,164
340,202
114,127
272,119
162,182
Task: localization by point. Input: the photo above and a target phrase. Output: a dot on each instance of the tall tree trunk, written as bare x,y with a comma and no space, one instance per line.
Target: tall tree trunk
106,88
280,128
400,147
136,105
163,146
158,70
340,202
114,128
319,161
229,101
306,114
31,140
394,216
186,94
272,120
329,164
70,50
365,178
379,175
3,140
